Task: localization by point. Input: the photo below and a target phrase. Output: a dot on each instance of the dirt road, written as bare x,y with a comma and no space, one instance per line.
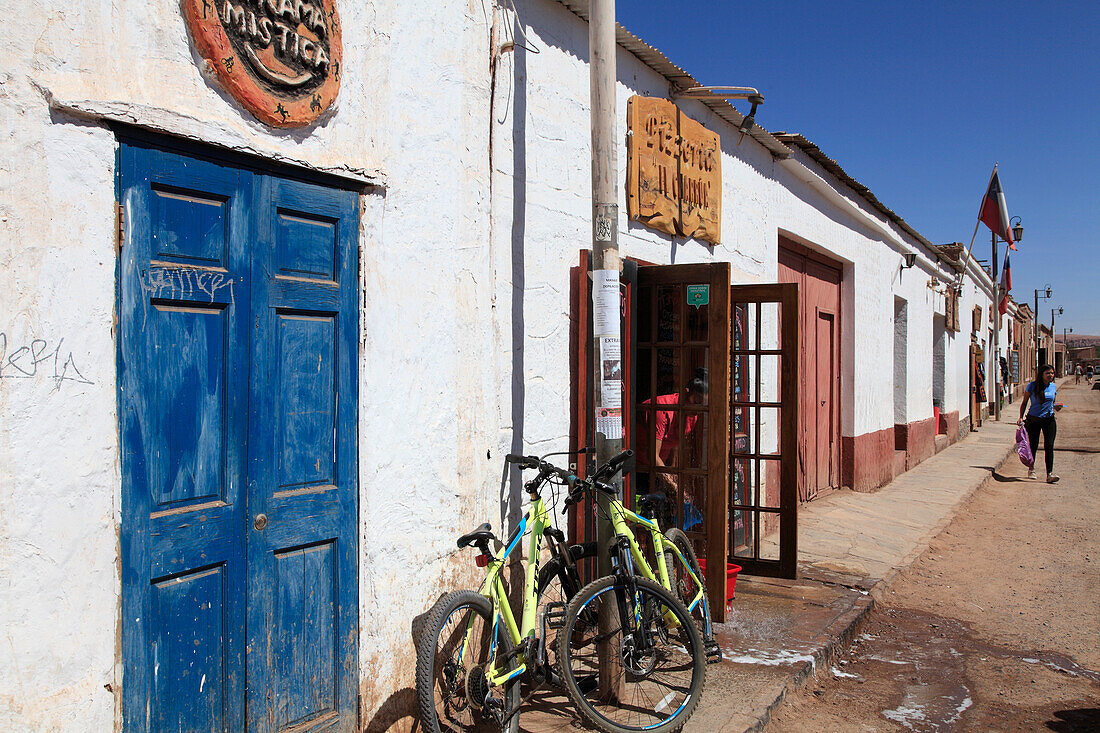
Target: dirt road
997,626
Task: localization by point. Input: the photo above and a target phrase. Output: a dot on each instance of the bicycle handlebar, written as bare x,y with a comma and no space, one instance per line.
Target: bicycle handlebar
612,467
596,482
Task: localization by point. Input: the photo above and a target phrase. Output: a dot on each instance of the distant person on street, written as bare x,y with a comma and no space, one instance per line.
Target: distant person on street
1088,374
1077,375
1040,417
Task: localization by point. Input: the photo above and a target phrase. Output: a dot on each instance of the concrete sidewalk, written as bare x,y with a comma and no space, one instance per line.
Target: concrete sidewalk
850,547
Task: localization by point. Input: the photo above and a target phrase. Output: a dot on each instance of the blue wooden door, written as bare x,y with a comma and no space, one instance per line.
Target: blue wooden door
301,553
201,287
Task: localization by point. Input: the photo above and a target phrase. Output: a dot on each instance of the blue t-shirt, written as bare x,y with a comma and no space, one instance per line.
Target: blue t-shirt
1042,405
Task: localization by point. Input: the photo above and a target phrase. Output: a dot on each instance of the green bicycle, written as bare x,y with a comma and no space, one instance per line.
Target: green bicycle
473,654
629,653
678,568
473,651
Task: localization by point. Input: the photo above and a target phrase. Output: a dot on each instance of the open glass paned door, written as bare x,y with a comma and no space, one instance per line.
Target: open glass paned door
681,405
763,445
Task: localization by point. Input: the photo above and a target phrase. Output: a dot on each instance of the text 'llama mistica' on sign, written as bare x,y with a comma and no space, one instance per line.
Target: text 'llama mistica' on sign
279,58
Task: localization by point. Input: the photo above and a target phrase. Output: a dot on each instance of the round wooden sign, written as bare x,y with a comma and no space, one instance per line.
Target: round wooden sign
279,58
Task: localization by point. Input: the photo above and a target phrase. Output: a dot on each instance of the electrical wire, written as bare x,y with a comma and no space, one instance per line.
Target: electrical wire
519,22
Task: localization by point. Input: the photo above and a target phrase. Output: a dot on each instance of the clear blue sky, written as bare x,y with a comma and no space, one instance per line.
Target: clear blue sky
917,101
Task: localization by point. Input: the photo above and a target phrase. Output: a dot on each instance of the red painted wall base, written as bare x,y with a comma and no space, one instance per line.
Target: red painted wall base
868,460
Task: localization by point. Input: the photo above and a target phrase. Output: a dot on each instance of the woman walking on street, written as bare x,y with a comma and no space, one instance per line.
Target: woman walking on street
1040,417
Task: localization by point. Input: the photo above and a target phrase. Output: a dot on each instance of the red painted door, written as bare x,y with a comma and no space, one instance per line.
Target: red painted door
818,281
823,352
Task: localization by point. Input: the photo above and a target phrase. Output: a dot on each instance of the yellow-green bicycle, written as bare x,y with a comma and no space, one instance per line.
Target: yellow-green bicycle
473,653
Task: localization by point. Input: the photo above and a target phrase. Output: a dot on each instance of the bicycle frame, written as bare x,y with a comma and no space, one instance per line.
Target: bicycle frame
621,519
493,588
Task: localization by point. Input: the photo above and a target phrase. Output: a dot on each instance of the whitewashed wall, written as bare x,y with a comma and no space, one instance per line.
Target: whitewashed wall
412,117
480,206
761,198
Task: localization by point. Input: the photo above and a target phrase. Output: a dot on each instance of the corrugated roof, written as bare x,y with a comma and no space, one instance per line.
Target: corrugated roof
840,174
681,80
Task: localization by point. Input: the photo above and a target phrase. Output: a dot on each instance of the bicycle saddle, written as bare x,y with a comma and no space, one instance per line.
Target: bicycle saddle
479,537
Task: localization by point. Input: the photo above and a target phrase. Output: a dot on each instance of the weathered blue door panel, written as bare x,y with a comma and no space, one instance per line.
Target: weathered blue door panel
237,345
183,370
302,566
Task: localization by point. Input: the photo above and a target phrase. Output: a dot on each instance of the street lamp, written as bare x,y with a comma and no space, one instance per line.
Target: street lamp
1017,228
1035,324
1065,342
1054,346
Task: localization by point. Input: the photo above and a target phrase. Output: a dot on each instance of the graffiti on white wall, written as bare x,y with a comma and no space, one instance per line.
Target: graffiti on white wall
38,359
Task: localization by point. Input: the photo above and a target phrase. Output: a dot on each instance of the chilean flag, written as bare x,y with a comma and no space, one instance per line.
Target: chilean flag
994,212
1006,285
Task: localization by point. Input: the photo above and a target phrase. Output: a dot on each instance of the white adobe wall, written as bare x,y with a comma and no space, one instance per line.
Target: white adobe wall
438,400
412,115
761,197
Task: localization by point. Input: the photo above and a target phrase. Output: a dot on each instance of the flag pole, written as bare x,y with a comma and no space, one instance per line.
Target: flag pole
970,248
995,314
974,236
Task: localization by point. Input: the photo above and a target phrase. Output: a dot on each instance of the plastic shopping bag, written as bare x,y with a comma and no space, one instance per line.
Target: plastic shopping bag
1023,448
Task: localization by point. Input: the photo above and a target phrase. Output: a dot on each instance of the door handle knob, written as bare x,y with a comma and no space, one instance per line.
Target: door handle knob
259,522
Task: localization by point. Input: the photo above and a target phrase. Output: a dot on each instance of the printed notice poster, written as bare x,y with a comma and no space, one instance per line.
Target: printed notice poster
609,422
606,307
611,372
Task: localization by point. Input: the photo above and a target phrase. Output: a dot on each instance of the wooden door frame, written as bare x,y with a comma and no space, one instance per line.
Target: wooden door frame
785,242
834,400
717,275
787,295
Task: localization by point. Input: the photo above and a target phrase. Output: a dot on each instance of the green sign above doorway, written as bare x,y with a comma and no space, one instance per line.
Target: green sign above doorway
698,295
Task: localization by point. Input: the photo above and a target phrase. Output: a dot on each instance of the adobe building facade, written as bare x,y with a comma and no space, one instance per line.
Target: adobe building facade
184,275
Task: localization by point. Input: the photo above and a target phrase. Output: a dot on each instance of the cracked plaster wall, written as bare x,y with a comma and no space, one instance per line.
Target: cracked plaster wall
441,259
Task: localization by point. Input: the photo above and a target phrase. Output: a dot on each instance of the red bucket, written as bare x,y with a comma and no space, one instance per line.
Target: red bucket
731,576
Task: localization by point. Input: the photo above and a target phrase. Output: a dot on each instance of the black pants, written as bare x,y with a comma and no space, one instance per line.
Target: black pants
1049,427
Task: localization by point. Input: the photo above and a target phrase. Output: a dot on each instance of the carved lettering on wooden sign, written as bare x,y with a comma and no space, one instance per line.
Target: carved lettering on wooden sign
279,58
674,180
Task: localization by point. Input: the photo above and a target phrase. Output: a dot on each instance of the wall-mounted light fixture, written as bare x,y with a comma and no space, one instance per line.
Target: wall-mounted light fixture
752,95
910,260
1017,228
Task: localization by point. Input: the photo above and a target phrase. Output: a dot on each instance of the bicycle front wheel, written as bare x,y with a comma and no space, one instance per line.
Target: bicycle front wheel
452,660
642,668
694,597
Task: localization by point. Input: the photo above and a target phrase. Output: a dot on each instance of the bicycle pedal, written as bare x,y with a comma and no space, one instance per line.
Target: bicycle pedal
555,615
712,651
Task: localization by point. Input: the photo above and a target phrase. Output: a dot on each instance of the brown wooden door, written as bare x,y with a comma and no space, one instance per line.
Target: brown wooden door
681,404
764,420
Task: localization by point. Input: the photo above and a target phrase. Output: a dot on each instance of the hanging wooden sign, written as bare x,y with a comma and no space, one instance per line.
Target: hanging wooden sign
674,180
279,58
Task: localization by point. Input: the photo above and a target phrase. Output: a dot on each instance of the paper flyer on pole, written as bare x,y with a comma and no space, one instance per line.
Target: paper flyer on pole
609,422
611,372
606,309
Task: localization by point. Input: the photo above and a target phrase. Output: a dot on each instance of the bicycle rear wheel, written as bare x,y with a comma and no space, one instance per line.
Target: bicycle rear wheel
452,660
652,666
